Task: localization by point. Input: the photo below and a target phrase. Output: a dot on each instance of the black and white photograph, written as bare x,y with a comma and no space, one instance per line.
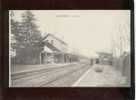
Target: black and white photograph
69,48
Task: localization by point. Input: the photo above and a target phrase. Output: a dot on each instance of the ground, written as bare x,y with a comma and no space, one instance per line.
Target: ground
66,75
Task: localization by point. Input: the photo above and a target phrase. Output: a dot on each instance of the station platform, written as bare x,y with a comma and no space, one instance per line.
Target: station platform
108,77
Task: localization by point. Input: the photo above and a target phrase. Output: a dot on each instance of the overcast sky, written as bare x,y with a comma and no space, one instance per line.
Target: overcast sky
88,31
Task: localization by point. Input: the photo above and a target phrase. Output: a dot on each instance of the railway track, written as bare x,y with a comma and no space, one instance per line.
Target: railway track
67,79
59,76
24,74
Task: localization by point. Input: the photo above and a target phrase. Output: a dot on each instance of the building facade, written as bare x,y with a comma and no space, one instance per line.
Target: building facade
55,51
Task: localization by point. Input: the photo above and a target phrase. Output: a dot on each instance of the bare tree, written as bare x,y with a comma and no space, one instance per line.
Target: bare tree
121,39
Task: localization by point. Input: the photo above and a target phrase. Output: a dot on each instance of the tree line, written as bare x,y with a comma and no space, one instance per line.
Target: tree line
25,39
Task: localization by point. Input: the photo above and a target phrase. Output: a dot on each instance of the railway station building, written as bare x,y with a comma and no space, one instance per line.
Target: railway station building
55,51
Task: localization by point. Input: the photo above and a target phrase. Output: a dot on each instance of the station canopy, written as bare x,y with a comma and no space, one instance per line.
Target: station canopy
46,49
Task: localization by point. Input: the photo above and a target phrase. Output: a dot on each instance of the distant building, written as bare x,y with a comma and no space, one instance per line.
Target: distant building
105,58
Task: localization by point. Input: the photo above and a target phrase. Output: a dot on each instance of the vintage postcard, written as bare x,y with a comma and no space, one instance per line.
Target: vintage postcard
69,48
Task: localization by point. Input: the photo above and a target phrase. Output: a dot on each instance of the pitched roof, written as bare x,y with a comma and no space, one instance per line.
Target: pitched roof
52,47
48,49
49,34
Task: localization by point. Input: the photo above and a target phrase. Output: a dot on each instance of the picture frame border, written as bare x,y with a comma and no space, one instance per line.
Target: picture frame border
55,93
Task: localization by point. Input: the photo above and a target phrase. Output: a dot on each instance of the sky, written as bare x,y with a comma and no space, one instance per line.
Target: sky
86,31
